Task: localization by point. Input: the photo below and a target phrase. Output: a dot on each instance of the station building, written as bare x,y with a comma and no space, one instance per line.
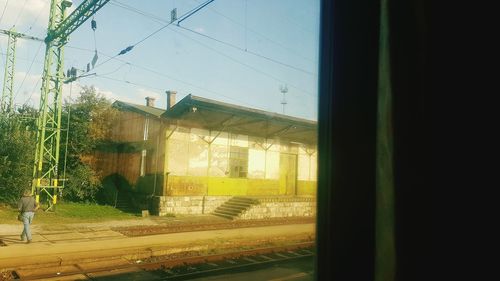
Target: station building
202,156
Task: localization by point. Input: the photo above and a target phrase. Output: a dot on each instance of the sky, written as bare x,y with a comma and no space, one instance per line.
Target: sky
236,51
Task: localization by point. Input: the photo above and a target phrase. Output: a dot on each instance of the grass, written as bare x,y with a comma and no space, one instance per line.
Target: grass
68,213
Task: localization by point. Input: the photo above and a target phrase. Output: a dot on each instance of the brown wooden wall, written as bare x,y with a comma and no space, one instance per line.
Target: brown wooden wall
129,127
123,155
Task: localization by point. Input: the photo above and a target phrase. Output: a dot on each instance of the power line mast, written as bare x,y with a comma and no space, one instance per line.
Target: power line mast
283,90
7,101
45,169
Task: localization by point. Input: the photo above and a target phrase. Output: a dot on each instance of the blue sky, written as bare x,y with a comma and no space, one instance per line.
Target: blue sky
280,38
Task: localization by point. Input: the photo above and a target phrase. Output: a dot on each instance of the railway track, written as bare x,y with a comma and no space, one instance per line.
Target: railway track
167,267
227,224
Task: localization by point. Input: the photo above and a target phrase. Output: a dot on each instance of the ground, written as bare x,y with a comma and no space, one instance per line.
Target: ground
68,213
85,235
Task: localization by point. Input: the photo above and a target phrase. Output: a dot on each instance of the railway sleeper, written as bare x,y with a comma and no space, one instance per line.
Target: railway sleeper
171,269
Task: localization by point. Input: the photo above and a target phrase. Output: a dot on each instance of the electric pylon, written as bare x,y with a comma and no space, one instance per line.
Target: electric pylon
45,169
7,101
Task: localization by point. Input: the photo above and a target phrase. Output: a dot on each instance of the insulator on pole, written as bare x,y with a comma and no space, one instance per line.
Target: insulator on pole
173,15
94,59
128,49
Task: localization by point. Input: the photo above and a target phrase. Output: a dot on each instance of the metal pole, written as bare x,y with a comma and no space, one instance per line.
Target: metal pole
7,102
45,168
45,171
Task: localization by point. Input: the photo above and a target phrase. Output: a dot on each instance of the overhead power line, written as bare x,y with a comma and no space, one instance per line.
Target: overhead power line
159,74
29,69
233,59
118,68
140,12
129,82
245,64
1,51
3,12
247,51
21,12
33,91
182,18
212,9
36,18
1,17
131,47
23,58
161,90
160,20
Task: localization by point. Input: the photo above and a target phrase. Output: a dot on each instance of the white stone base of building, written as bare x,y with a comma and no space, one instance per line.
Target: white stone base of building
268,206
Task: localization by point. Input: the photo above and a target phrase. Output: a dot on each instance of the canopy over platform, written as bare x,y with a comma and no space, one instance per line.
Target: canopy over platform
197,112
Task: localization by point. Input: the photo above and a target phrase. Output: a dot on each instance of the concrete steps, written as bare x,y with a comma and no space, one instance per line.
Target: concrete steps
234,207
123,203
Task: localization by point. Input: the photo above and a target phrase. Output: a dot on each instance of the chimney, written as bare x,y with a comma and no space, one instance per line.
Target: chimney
170,98
150,101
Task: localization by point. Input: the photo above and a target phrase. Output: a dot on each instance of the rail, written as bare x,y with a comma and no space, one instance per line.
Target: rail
168,268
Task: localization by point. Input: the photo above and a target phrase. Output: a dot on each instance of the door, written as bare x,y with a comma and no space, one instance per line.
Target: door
288,174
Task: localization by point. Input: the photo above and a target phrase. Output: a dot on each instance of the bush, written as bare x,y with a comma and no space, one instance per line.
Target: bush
91,117
82,185
17,151
90,121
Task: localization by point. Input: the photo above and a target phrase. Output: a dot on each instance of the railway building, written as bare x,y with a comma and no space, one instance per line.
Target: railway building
201,156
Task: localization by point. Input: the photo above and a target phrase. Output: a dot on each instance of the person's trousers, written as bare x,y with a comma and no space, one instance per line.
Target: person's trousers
27,219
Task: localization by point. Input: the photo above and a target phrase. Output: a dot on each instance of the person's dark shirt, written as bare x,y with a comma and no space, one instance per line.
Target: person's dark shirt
27,204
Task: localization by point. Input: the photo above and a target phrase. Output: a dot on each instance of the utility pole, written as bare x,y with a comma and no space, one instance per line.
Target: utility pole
283,90
7,101
45,169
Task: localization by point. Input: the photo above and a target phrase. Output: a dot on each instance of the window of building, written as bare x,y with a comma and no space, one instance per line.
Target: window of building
178,151
146,129
143,162
238,162
256,163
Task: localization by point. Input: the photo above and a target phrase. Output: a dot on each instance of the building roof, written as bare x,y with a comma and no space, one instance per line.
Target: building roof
193,111
141,109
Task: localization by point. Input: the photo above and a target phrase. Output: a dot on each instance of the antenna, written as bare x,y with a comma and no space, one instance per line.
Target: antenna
283,90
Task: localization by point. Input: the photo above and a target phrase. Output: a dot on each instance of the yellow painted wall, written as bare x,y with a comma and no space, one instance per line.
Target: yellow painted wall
306,187
227,186
185,185
192,185
263,187
187,161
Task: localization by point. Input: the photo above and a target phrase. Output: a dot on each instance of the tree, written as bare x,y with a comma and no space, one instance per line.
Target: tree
90,119
17,150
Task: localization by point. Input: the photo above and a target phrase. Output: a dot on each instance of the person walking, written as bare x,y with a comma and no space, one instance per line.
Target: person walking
27,207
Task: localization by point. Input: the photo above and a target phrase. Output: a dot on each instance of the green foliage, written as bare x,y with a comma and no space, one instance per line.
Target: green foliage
90,212
90,119
68,212
17,149
83,183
